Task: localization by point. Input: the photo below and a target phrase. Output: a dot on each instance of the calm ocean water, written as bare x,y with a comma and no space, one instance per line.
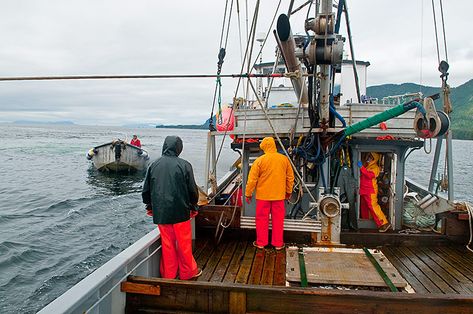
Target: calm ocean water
60,219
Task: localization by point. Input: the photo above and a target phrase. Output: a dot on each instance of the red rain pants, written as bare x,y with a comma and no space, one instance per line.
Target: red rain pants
176,242
277,210
369,204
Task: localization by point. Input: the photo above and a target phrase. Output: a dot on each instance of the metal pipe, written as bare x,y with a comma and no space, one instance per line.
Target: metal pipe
381,117
451,195
324,93
352,52
435,163
287,46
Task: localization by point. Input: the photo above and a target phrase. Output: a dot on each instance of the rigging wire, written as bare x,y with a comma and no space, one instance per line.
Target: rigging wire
240,38
443,30
221,56
436,35
302,6
253,30
138,76
421,44
252,45
267,35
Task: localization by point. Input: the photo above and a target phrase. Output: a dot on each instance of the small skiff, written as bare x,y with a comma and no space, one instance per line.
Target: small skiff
118,156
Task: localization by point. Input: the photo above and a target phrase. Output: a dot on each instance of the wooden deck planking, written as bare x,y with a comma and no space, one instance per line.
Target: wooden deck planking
279,278
208,269
455,261
205,253
257,267
442,272
437,280
223,263
235,263
268,268
435,269
416,272
245,267
405,272
463,250
446,264
199,247
464,257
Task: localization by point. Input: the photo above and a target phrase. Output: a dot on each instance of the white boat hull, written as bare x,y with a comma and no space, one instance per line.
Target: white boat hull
119,156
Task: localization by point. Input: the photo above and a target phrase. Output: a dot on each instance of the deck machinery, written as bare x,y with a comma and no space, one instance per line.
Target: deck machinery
324,138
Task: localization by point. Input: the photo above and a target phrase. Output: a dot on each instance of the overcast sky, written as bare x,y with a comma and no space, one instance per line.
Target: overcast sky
85,37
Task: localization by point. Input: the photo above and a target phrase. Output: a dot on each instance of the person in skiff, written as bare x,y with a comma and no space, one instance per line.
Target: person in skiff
170,191
135,141
272,176
369,172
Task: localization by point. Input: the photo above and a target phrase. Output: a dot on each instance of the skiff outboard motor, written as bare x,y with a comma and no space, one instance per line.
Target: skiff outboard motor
143,154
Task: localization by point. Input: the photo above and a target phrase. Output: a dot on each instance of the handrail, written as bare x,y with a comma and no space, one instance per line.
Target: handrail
81,293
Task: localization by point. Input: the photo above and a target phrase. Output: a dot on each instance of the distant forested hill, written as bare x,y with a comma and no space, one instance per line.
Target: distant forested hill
461,98
204,126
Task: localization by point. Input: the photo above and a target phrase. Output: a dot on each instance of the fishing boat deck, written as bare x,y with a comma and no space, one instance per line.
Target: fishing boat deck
442,269
240,262
238,278
434,269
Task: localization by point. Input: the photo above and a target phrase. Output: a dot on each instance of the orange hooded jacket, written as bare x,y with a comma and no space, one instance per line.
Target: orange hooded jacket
368,181
271,174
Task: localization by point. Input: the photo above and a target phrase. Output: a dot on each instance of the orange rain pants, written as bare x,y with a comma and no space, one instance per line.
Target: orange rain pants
176,242
277,210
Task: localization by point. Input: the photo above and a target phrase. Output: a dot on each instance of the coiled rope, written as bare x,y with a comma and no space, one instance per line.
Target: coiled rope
414,217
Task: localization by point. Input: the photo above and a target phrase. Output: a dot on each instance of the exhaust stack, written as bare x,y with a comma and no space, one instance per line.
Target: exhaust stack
288,46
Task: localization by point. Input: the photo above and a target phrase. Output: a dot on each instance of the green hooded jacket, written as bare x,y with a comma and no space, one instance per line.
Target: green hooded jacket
169,185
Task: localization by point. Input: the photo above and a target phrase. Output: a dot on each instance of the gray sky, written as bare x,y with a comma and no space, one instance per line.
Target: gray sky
82,37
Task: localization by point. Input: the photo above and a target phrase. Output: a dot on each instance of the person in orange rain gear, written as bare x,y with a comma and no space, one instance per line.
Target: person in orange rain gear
273,178
135,141
369,192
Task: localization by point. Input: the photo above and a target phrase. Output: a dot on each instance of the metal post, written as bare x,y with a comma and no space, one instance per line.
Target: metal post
207,164
325,80
435,163
450,165
352,52
213,159
399,188
324,93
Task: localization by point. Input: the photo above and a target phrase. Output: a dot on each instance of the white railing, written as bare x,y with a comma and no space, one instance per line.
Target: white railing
100,291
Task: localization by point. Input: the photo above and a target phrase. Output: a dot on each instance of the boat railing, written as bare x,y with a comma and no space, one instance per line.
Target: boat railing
100,291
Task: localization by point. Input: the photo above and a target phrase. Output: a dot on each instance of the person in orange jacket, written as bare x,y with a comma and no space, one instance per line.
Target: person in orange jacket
369,192
272,176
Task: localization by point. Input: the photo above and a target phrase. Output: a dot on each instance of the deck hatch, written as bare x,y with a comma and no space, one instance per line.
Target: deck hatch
341,266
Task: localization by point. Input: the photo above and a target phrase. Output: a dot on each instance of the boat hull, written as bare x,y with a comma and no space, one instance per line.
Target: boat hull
119,156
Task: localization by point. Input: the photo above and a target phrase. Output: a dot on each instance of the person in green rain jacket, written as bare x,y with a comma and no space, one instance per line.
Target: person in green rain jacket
169,185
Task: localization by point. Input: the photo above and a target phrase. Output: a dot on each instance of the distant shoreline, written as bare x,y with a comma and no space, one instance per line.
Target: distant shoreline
182,126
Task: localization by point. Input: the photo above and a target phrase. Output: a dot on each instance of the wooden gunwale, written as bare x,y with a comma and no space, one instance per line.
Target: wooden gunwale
198,297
